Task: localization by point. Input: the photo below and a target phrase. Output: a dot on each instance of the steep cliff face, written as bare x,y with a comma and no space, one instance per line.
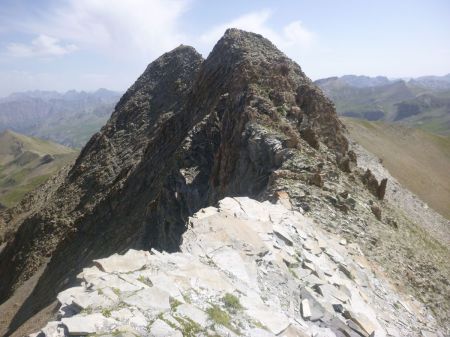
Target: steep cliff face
244,122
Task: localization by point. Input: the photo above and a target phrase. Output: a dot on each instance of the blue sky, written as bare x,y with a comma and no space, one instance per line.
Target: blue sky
87,44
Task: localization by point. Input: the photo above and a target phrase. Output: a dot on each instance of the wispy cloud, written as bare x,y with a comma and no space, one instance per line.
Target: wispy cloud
292,35
43,45
123,29
143,26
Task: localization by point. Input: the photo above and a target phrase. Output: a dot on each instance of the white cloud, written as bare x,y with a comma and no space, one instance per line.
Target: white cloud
142,28
43,45
295,34
292,36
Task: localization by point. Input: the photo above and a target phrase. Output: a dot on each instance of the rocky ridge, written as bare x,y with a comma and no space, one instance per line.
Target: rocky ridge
244,122
245,268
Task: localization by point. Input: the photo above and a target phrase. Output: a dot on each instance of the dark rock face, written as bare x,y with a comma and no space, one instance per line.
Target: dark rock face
377,189
188,133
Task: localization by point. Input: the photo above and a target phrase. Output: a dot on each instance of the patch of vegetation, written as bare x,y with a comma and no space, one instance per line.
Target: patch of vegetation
87,311
187,298
258,324
174,303
231,302
106,312
221,317
218,315
116,291
145,280
189,328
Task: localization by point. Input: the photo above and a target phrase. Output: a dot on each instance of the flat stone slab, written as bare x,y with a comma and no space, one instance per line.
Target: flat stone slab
89,324
193,313
132,317
230,260
130,261
161,329
283,234
274,321
362,321
149,299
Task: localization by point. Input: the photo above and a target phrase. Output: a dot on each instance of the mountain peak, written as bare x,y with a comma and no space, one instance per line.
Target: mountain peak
189,132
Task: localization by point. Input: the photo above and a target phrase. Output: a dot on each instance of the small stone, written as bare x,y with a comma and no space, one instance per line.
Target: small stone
355,327
310,266
376,210
343,242
306,310
316,179
283,235
362,321
338,308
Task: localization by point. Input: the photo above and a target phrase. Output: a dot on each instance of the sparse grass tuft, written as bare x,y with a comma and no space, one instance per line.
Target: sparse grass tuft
174,303
106,312
219,316
189,328
231,302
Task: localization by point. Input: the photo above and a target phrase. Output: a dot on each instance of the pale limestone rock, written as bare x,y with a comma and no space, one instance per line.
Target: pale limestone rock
205,212
243,248
193,313
149,299
66,297
230,261
276,322
117,283
363,322
93,323
306,310
161,329
92,299
132,317
130,261
283,234
258,332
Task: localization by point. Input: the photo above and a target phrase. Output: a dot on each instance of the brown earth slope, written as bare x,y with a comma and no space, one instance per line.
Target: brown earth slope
26,162
419,160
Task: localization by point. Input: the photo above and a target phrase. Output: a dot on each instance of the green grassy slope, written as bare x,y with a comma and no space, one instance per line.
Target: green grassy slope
418,159
27,162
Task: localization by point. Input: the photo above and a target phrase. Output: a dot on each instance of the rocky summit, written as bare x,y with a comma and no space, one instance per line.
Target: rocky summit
245,122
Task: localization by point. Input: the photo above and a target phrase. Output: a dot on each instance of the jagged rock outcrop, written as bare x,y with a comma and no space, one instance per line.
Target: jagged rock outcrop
245,269
244,122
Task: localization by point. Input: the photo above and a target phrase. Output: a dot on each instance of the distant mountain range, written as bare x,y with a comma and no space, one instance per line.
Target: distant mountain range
26,162
67,118
422,102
